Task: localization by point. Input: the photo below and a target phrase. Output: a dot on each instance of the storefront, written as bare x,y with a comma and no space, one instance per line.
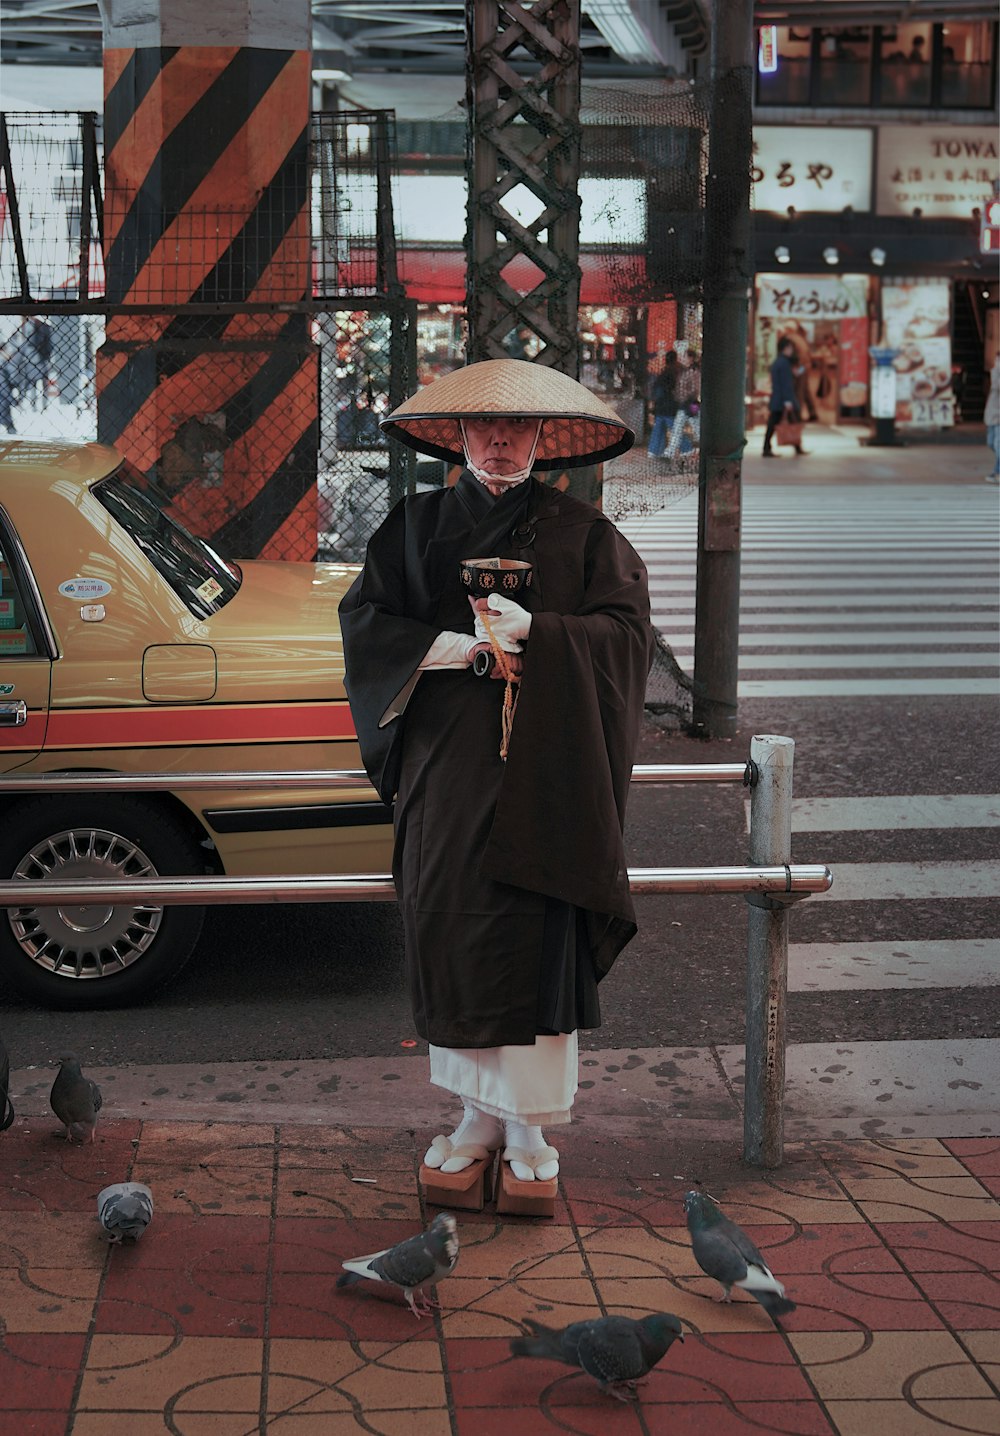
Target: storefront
826,317
869,236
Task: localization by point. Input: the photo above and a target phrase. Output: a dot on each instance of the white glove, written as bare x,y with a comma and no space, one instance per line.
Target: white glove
508,620
449,650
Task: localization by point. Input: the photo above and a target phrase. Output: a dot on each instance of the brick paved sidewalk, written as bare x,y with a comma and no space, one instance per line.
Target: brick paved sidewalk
224,1320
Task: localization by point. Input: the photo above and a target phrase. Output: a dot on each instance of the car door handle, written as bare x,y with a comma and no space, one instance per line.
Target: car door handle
13,715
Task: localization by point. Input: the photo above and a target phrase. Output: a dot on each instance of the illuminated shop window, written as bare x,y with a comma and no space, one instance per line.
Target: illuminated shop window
967,65
844,65
789,83
906,70
951,65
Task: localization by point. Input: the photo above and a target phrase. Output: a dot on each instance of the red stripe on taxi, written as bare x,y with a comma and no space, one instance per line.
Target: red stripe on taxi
30,734
175,727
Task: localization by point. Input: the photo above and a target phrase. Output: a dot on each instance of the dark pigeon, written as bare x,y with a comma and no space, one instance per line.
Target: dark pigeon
723,1250
412,1265
75,1100
125,1210
6,1105
617,1351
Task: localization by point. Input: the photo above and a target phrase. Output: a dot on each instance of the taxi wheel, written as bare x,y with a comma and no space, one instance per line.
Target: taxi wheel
95,955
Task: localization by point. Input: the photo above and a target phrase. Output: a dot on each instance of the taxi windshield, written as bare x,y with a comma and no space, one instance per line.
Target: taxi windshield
200,577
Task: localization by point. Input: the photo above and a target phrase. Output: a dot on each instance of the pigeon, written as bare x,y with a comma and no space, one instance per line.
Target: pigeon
615,1350
75,1099
724,1251
6,1105
413,1264
125,1210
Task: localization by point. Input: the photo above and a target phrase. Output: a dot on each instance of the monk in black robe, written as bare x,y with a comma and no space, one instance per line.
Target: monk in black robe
511,871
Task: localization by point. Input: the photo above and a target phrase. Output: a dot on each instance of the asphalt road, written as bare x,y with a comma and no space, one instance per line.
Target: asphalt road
294,983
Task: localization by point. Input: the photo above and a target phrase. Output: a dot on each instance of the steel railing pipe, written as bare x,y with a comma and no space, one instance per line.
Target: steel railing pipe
331,779
372,887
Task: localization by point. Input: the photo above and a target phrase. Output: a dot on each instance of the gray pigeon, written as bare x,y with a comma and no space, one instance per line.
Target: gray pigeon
724,1251
125,1210
617,1351
6,1105
413,1264
75,1099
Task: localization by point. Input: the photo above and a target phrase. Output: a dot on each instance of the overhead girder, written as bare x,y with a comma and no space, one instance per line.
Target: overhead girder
367,31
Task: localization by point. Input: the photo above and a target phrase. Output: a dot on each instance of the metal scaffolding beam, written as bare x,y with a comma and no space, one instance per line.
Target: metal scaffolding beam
524,131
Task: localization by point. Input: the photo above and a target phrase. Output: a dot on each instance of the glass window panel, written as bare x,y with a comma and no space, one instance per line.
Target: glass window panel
789,84
16,636
845,65
967,65
905,68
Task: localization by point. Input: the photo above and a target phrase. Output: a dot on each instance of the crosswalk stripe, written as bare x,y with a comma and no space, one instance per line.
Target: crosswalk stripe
865,882
896,638
861,622
873,586
867,687
882,814
852,600
799,661
866,966
846,569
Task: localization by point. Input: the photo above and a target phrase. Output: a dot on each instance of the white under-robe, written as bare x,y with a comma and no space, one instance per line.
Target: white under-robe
534,1085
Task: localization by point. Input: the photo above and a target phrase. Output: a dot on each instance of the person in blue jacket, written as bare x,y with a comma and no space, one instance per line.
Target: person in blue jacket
783,405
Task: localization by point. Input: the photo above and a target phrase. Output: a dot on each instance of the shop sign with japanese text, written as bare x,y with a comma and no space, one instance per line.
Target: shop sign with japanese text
945,170
788,296
811,167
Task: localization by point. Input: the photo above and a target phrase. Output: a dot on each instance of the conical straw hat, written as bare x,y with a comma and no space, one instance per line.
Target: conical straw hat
578,427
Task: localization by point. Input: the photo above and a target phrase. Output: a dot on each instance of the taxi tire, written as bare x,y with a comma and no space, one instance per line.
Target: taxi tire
172,850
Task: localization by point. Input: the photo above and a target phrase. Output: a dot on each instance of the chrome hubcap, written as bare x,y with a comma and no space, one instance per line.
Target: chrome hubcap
92,940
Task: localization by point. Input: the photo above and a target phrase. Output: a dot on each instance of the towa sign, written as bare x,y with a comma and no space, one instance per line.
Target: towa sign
944,170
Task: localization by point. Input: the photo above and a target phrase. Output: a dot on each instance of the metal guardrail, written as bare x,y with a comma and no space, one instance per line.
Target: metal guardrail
790,881
308,778
771,883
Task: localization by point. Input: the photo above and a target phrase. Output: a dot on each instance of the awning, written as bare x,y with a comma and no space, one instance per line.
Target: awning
437,276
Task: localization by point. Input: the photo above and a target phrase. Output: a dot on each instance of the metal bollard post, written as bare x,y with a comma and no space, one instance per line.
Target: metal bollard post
767,955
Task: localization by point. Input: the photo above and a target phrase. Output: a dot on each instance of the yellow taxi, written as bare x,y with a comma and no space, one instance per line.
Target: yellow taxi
127,645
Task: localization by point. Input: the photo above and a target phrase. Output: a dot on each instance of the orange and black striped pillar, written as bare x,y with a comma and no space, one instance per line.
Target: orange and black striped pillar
206,141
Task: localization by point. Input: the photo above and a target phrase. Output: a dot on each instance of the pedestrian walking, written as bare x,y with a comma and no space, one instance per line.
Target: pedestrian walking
663,398
991,418
802,369
685,432
510,871
783,409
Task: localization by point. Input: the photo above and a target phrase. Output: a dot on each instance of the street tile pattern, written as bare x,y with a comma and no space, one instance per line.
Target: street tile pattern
225,1321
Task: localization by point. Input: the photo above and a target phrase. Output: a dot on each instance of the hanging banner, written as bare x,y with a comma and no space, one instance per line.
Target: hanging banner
853,363
811,167
916,320
945,170
789,296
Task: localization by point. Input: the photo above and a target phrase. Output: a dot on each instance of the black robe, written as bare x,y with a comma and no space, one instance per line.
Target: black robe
511,876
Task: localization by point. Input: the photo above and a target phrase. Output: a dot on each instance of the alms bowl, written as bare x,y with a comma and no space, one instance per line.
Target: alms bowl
486,576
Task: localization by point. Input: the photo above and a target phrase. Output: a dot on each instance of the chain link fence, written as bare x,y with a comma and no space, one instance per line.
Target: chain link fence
256,413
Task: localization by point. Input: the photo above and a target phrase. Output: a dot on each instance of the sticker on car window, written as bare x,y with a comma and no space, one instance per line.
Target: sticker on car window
7,618
85,588
208,590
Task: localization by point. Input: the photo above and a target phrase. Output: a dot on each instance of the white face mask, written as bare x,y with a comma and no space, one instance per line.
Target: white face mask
500,481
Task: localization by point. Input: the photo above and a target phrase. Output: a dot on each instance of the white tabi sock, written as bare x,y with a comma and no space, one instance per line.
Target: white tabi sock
529,1139
476,1127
